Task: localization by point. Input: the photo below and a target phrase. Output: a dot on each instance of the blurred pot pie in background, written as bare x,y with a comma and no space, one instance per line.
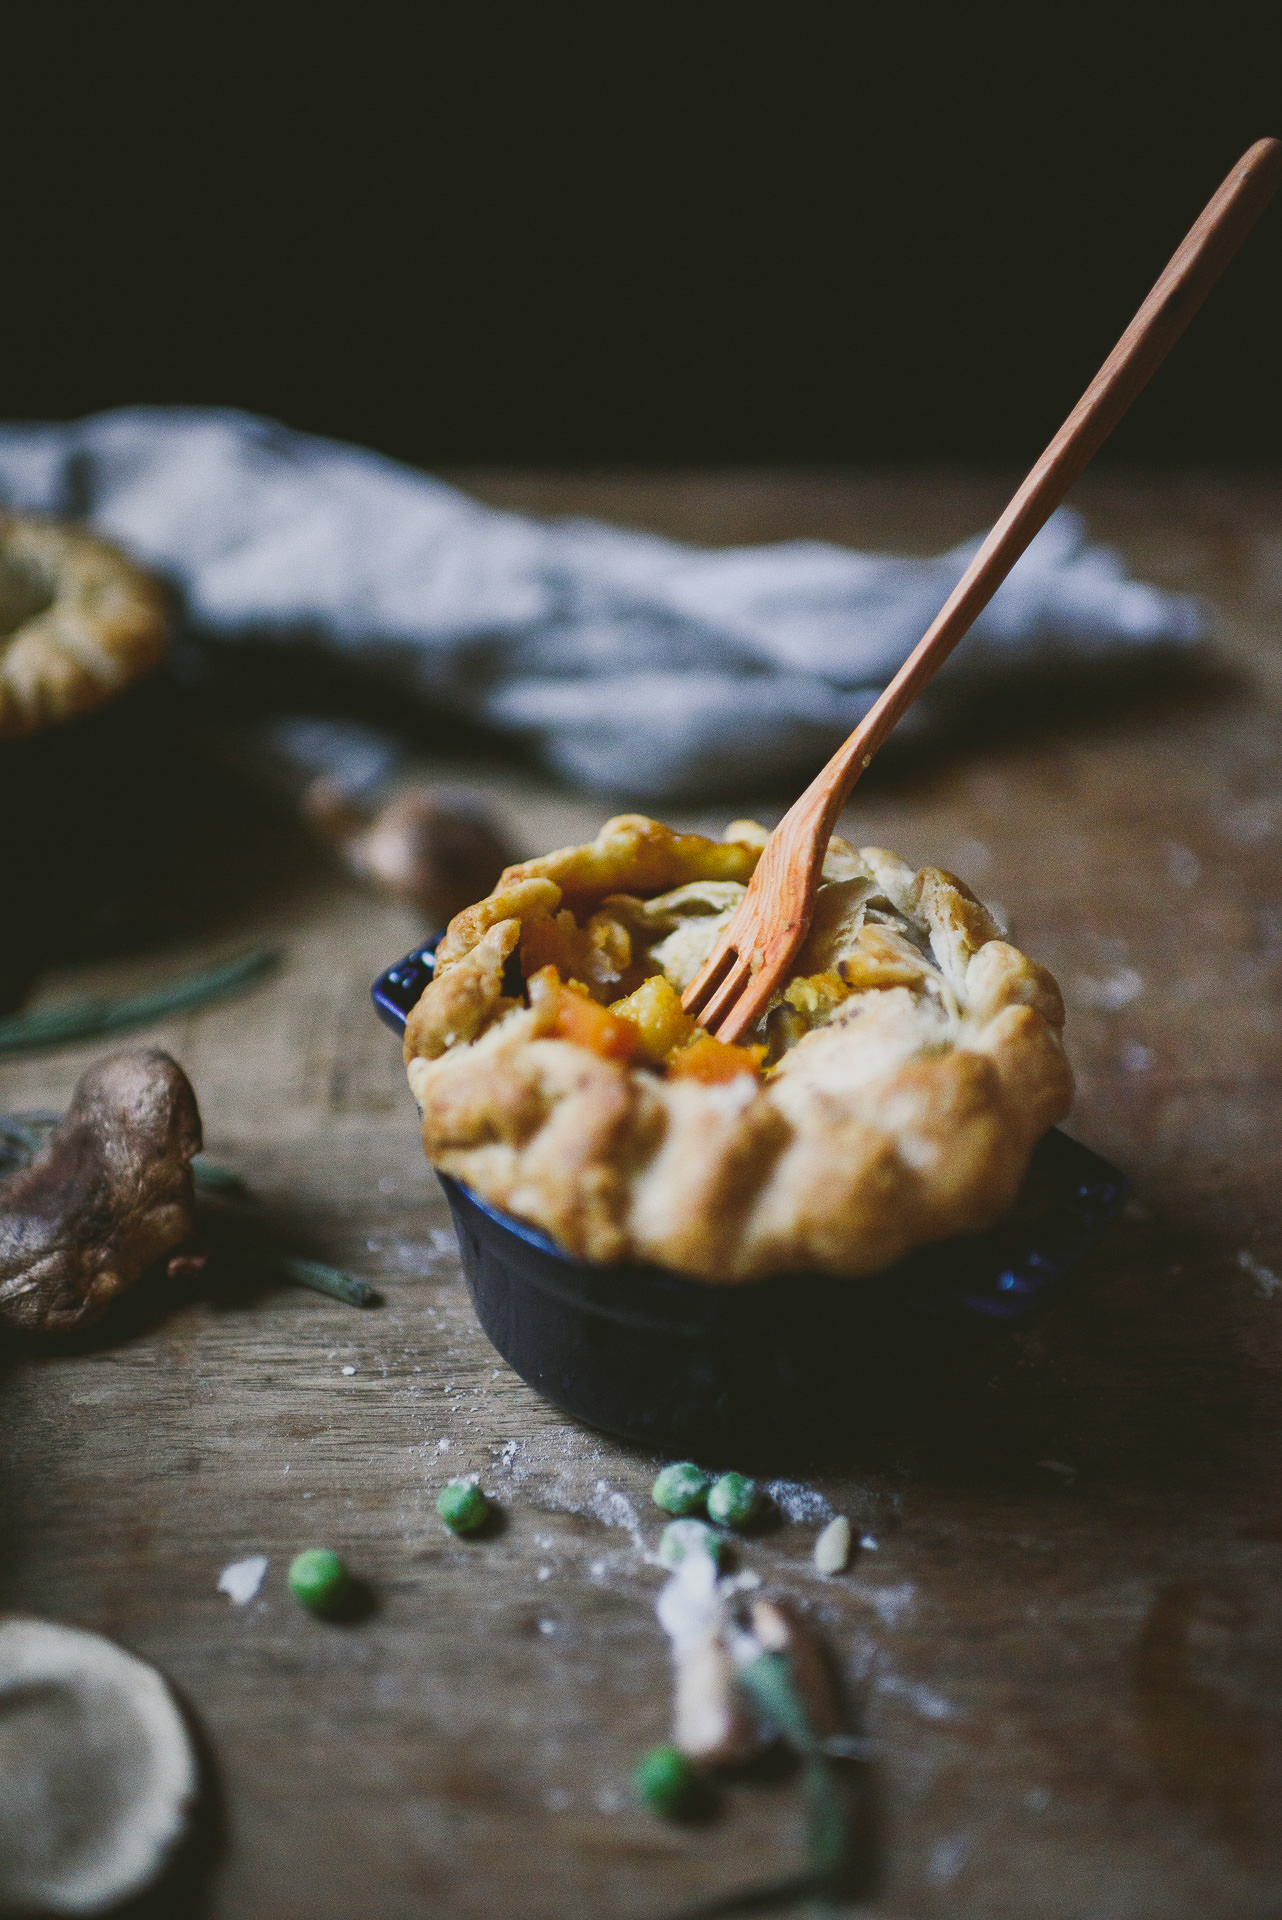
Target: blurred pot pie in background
892,1095
78,623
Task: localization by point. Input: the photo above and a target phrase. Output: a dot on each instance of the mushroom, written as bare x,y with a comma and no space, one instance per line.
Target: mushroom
711,1720
436,848
777,1627
108,1193
98,1768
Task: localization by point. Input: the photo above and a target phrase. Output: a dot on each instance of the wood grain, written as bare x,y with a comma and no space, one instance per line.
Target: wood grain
1065,1641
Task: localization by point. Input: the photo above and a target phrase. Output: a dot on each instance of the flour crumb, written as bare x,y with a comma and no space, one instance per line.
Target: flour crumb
1267,1284
614,1509
947,1858
890,1604
347,1370
798,1501
1061,1470
242,1579
923,1700
1114,990
1183,865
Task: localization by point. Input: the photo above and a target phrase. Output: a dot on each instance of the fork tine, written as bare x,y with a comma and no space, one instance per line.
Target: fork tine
709,977
756,993
726,995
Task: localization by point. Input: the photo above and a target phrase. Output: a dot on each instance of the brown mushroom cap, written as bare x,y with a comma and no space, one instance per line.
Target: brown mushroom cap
109,1192
435,848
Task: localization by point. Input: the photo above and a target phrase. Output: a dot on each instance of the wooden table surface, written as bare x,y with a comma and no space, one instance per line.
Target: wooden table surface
1066,1642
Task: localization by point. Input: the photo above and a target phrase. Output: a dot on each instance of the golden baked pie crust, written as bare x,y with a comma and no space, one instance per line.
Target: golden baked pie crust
78,622
926,1064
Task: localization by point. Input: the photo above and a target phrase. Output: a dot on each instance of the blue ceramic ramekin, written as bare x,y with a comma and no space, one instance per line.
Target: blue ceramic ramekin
775,1369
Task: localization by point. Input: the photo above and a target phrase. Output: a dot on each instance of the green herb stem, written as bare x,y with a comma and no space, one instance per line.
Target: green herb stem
768,1679
86,1019
320,1278
211,1178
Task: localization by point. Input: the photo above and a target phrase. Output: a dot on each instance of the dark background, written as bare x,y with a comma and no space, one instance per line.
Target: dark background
570,235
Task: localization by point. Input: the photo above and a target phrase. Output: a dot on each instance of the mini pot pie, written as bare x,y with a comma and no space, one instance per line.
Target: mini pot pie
78,622
891,1096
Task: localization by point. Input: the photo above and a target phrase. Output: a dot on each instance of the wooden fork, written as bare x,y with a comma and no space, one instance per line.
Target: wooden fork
750,962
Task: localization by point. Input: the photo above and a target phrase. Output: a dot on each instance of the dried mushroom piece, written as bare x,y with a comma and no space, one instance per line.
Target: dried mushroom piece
435,848
108,1193
98,1769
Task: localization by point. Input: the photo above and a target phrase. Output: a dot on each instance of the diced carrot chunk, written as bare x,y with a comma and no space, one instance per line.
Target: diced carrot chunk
709,1059
582,1022
568,1012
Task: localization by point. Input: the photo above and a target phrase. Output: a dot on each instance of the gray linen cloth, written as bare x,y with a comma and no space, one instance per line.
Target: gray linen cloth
634,664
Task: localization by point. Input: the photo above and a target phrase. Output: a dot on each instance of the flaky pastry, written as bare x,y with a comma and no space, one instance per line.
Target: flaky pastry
893,1094
78,622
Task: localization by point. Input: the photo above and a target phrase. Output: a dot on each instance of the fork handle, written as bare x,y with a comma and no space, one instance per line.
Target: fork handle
1189,276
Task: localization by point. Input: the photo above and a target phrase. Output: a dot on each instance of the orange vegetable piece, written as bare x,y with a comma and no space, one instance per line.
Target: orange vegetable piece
567,1012
709,1059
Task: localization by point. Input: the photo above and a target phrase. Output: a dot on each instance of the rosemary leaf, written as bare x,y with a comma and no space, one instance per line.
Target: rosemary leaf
322,1279
86,1019
211,1178
768,1679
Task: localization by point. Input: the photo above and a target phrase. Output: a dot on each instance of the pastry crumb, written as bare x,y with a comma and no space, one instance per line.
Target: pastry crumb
241,1580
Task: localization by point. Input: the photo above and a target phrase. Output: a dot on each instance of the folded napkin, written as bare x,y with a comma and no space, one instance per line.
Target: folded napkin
634,664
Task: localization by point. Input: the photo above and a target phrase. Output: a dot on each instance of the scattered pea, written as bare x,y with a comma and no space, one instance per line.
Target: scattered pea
669,1781
319,1581
688,1536
462,1506
832,1548
733,1501
681,1488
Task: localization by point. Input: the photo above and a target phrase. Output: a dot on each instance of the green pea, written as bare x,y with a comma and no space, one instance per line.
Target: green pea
688,1536
734,1500
319,1581
669,1781
681,1488
462,1506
